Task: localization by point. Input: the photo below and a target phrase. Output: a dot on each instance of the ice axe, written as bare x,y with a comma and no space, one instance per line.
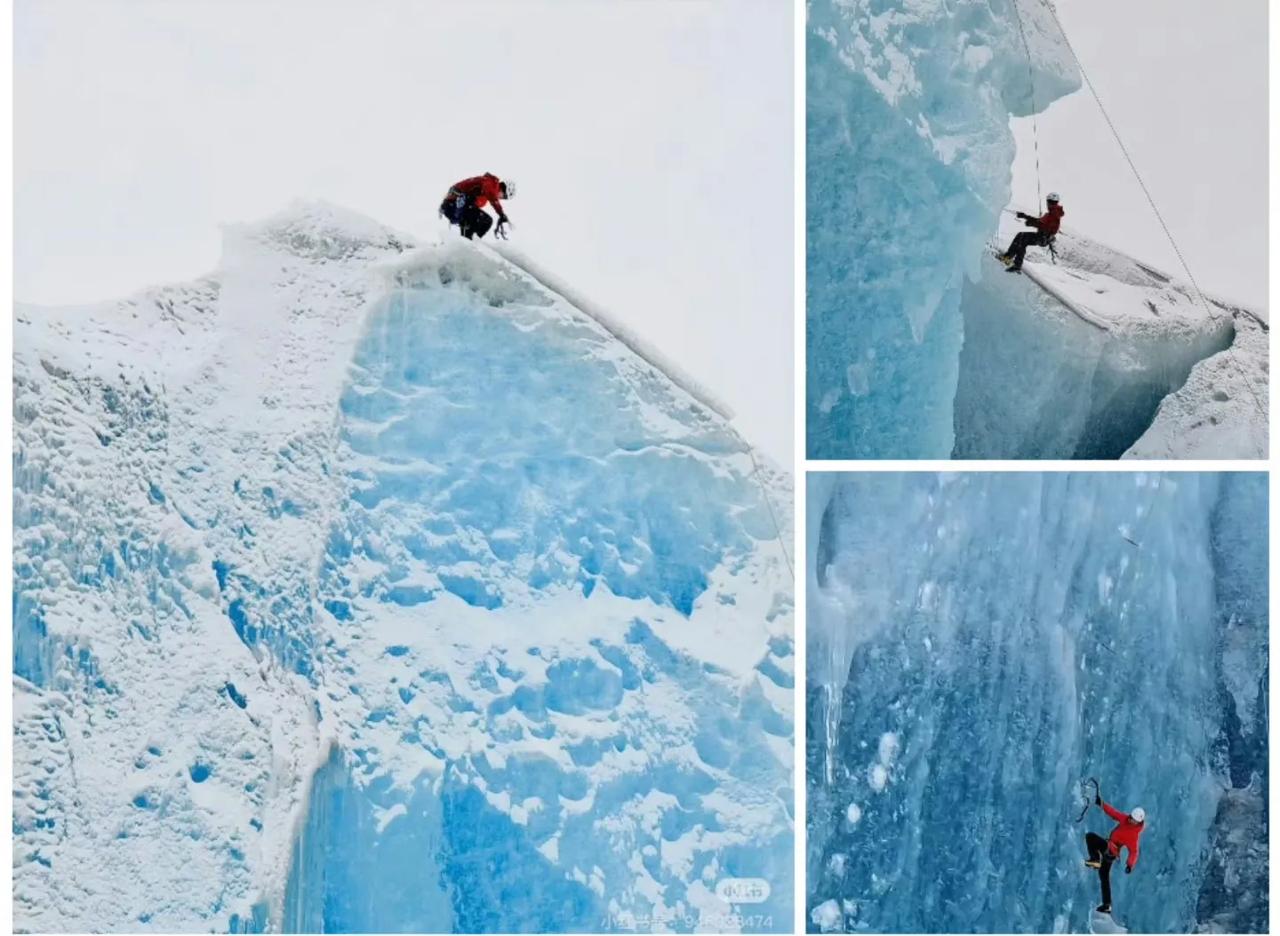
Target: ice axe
1088,802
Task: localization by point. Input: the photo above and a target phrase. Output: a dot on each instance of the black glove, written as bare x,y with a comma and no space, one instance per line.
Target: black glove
1097,800
1024,216
1128,869
501,229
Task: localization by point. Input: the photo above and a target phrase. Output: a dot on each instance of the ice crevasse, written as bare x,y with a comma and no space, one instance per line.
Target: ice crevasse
918,347
980,644
365,585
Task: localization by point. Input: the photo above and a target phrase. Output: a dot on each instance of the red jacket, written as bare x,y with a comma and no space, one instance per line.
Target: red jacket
1049,222
1124,835
482,190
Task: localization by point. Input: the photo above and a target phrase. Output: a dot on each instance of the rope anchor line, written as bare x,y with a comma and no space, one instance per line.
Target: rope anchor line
1031,80
764,492
1115,133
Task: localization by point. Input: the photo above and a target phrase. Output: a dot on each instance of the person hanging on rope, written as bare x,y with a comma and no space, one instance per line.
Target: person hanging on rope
464,203
1045,227
1103,852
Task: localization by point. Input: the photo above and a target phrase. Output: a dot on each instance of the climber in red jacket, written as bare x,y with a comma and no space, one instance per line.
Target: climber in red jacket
1103,852
1044,226
464,203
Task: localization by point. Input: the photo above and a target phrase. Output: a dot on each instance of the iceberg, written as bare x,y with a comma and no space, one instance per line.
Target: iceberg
373,585
980,644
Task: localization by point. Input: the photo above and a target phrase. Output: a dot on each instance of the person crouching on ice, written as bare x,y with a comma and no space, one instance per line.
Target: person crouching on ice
1045,227
465,201
1103,852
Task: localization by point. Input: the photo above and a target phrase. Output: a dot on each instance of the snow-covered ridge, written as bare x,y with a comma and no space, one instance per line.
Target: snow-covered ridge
615,327
1088,355
363,560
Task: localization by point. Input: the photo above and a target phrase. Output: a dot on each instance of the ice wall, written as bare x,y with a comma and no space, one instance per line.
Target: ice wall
1074,358
369,586
908,154
1009,635
537,558
1235,888
1223,409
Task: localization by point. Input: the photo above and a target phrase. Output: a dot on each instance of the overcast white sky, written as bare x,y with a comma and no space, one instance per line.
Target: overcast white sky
652,143
1186,83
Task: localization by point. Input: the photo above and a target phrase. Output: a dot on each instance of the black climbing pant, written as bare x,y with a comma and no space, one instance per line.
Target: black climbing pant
1021,241
471,221
1098,851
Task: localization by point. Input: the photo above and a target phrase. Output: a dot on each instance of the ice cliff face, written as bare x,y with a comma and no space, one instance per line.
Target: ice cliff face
1089,355
919,346
369,586
978,644
908,164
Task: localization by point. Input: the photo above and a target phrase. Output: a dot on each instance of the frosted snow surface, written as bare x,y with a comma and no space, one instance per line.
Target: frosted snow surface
1076,358
909,152
1223,409
368,585
1016,634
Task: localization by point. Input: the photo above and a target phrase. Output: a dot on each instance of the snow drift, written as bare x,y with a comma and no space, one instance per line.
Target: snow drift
364,585
979,644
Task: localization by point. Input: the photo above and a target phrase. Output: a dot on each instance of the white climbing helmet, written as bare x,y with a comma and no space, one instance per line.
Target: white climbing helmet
1138,815
1053,197
508,189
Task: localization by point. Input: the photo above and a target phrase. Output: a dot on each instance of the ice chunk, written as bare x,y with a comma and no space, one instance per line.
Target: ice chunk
827,916
1104,923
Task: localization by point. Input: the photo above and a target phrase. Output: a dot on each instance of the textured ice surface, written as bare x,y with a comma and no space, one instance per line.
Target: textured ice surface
369,586
908,155
1016,633
919,345
1222,411
1074,359
1105,923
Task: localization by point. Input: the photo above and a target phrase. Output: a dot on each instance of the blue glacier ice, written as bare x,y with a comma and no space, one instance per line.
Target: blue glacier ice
918,344
908,155
981,643
369,585
1090,357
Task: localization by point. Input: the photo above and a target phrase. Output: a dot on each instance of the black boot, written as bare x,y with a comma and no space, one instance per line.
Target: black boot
1104,908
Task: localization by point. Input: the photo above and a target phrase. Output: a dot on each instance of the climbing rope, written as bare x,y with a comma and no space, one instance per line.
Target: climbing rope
764,492
1141,183
1031,79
